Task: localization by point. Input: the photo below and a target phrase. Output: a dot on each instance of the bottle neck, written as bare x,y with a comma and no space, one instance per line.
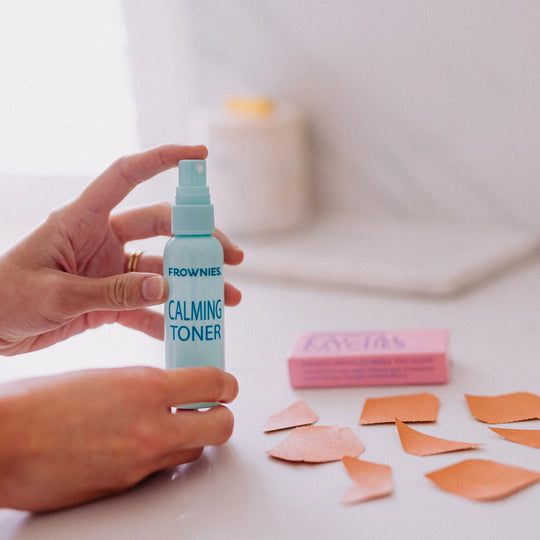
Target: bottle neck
192,219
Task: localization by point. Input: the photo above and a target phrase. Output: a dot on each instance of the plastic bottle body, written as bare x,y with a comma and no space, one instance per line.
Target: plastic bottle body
194,310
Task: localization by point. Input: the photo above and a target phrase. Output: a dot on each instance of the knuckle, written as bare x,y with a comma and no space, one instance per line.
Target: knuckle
146,373
121,292
133,458
54,217
143,447
150,382
157,380
59,217
147,442
161,219
121,166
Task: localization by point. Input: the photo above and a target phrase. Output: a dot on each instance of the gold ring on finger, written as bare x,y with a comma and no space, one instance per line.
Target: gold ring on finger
133,261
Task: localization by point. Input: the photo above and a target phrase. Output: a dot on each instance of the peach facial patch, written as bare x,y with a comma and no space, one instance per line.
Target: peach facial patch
504,408
423,407
298,414
482,479
420,444
528,437
371,480
318,444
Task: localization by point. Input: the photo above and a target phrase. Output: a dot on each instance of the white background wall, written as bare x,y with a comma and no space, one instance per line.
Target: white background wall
66,100
67,108
417,108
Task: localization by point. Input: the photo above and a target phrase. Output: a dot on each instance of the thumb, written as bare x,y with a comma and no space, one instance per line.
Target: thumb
127,291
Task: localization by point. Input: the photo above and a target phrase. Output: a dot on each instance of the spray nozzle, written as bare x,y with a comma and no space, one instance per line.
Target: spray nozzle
192,212
192,188
191,172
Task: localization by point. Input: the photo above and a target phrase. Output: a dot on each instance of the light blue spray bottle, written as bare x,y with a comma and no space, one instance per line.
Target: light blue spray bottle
193,267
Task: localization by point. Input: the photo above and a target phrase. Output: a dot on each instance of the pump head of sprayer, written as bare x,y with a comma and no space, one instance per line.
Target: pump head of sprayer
192,213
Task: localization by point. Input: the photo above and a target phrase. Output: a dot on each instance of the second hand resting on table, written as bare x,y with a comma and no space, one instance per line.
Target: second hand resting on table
70,275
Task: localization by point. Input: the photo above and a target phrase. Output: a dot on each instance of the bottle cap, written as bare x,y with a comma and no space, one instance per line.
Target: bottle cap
192,213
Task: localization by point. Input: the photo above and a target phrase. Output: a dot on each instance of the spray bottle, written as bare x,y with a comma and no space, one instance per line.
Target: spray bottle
193,267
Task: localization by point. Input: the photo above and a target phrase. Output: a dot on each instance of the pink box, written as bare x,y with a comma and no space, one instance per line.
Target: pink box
384,357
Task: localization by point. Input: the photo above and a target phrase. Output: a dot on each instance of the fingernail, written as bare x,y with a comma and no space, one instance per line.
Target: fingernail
152,288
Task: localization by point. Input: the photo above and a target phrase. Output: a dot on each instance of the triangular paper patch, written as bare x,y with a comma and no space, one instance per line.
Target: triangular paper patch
371,480
528,437
420,444
298,414
318,444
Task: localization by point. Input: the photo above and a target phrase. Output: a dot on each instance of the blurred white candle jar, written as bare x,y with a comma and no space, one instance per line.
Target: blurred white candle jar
257,164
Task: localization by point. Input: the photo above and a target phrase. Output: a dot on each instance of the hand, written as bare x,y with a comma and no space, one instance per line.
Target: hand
78,436
70,273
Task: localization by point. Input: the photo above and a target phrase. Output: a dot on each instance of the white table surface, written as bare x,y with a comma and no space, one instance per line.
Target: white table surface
237,491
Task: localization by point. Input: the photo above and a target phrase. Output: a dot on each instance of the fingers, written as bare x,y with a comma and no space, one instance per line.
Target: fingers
232,254
155,220
195,429
121,293
233,296
143,320
188,432
104,193
114,293
196,385
154,264
148,263
144,222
